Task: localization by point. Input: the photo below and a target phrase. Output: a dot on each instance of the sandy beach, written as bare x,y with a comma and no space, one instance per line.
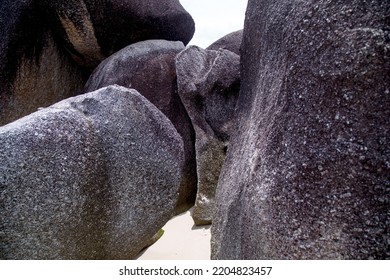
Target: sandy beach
182,240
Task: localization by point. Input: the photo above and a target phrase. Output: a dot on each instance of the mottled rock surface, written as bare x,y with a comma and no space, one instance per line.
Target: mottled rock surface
307,171
48,48
208,83
230,42
91,177
149,68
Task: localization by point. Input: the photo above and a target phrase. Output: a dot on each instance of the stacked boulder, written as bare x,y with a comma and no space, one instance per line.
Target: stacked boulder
97,175
49,48
166,74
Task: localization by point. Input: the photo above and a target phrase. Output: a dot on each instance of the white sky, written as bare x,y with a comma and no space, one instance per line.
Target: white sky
214,18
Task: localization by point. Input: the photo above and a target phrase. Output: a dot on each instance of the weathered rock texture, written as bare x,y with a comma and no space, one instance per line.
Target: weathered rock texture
149,68
34,70
208,83
307,172
92,30
230,42
49,48
91,177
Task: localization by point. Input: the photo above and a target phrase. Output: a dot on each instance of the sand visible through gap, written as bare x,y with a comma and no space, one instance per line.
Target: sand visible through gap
182,240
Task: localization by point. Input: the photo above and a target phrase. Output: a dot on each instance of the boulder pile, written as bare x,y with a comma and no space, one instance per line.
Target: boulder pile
49,48
149,67
276,134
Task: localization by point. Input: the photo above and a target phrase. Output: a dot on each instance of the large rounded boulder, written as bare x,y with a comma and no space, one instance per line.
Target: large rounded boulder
92,177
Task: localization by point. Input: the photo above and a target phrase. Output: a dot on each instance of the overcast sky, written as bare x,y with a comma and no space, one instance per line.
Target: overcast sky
214,18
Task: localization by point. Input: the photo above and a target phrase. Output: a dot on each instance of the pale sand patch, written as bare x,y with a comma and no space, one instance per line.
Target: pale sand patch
181,241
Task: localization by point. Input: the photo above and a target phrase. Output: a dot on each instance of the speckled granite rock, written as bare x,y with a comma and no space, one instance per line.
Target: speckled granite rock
208,83
230,42
51,174
149,68
91,177
307,175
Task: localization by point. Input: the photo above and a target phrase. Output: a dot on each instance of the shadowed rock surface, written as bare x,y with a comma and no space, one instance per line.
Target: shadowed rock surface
208,83
49,48
92,30
307,171
149,68
230,42
91,177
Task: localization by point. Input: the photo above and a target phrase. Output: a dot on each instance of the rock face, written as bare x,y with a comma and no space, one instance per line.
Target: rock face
91,177
34,70
307,172
48,48
231,42
208,83
149,68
